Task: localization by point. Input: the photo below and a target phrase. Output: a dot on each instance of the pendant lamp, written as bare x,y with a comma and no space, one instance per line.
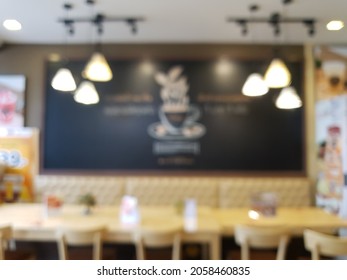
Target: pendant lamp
288,99
277,75
255,85
97,69
63,80
86,93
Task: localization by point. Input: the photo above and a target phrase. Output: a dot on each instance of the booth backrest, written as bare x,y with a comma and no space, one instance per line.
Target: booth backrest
106,189
172,190
291,192
167,190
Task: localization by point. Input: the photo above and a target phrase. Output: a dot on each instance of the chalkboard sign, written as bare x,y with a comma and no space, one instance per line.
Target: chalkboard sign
165,115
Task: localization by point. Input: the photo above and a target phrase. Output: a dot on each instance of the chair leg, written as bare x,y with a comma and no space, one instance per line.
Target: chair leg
97,250
2,245
62,248
176,248
282,247
245,251
139,248
315,253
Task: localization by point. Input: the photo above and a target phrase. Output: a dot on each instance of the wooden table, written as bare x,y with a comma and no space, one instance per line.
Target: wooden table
30,223
296,218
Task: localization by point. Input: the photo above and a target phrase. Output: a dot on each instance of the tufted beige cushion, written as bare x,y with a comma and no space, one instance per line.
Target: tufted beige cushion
107,190
291,192
209,191
170,190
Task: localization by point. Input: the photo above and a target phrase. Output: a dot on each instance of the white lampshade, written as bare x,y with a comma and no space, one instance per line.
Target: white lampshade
63,80
86,93
277,75
97,69
288,99
255,85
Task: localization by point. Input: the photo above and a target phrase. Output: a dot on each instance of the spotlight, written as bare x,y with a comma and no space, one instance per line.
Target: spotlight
243,24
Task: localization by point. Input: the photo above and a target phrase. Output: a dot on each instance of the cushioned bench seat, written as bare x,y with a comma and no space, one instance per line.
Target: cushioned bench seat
291,192
169,190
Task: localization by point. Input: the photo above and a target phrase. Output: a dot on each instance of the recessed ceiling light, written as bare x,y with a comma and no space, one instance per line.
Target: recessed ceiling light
12,25
335,25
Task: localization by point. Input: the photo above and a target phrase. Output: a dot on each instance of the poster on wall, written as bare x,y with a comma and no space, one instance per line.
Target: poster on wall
12,101
19,156
173,115
331,118
331,126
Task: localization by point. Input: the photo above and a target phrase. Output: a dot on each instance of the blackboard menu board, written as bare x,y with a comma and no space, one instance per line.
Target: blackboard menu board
173,115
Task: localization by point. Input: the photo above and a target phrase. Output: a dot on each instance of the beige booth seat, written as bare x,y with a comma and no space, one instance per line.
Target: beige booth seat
107,190
171,190
292,192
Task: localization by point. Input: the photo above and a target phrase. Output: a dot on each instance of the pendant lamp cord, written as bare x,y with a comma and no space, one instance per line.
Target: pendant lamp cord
69,30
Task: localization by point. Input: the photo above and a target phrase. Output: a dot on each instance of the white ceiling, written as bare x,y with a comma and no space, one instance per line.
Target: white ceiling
179,21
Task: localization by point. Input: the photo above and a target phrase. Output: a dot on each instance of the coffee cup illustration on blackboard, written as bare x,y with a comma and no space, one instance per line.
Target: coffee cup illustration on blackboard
178,119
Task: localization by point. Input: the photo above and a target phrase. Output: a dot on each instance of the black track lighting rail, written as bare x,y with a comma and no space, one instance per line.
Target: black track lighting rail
99,19
275,20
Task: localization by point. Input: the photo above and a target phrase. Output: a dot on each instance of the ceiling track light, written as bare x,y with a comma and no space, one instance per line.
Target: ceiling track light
68,23
310,25
275,20
99,19
133,25
243,24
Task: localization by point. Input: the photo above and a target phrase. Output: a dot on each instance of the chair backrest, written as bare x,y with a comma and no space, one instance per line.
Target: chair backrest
322,244
158,239
5,236
262,237
80,237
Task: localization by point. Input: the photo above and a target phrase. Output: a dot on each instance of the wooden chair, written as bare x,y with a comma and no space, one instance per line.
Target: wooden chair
322,244
8,250
67,237
261,237
152,239
5,237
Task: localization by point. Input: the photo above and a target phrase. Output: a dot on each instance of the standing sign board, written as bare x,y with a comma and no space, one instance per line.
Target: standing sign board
19,154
